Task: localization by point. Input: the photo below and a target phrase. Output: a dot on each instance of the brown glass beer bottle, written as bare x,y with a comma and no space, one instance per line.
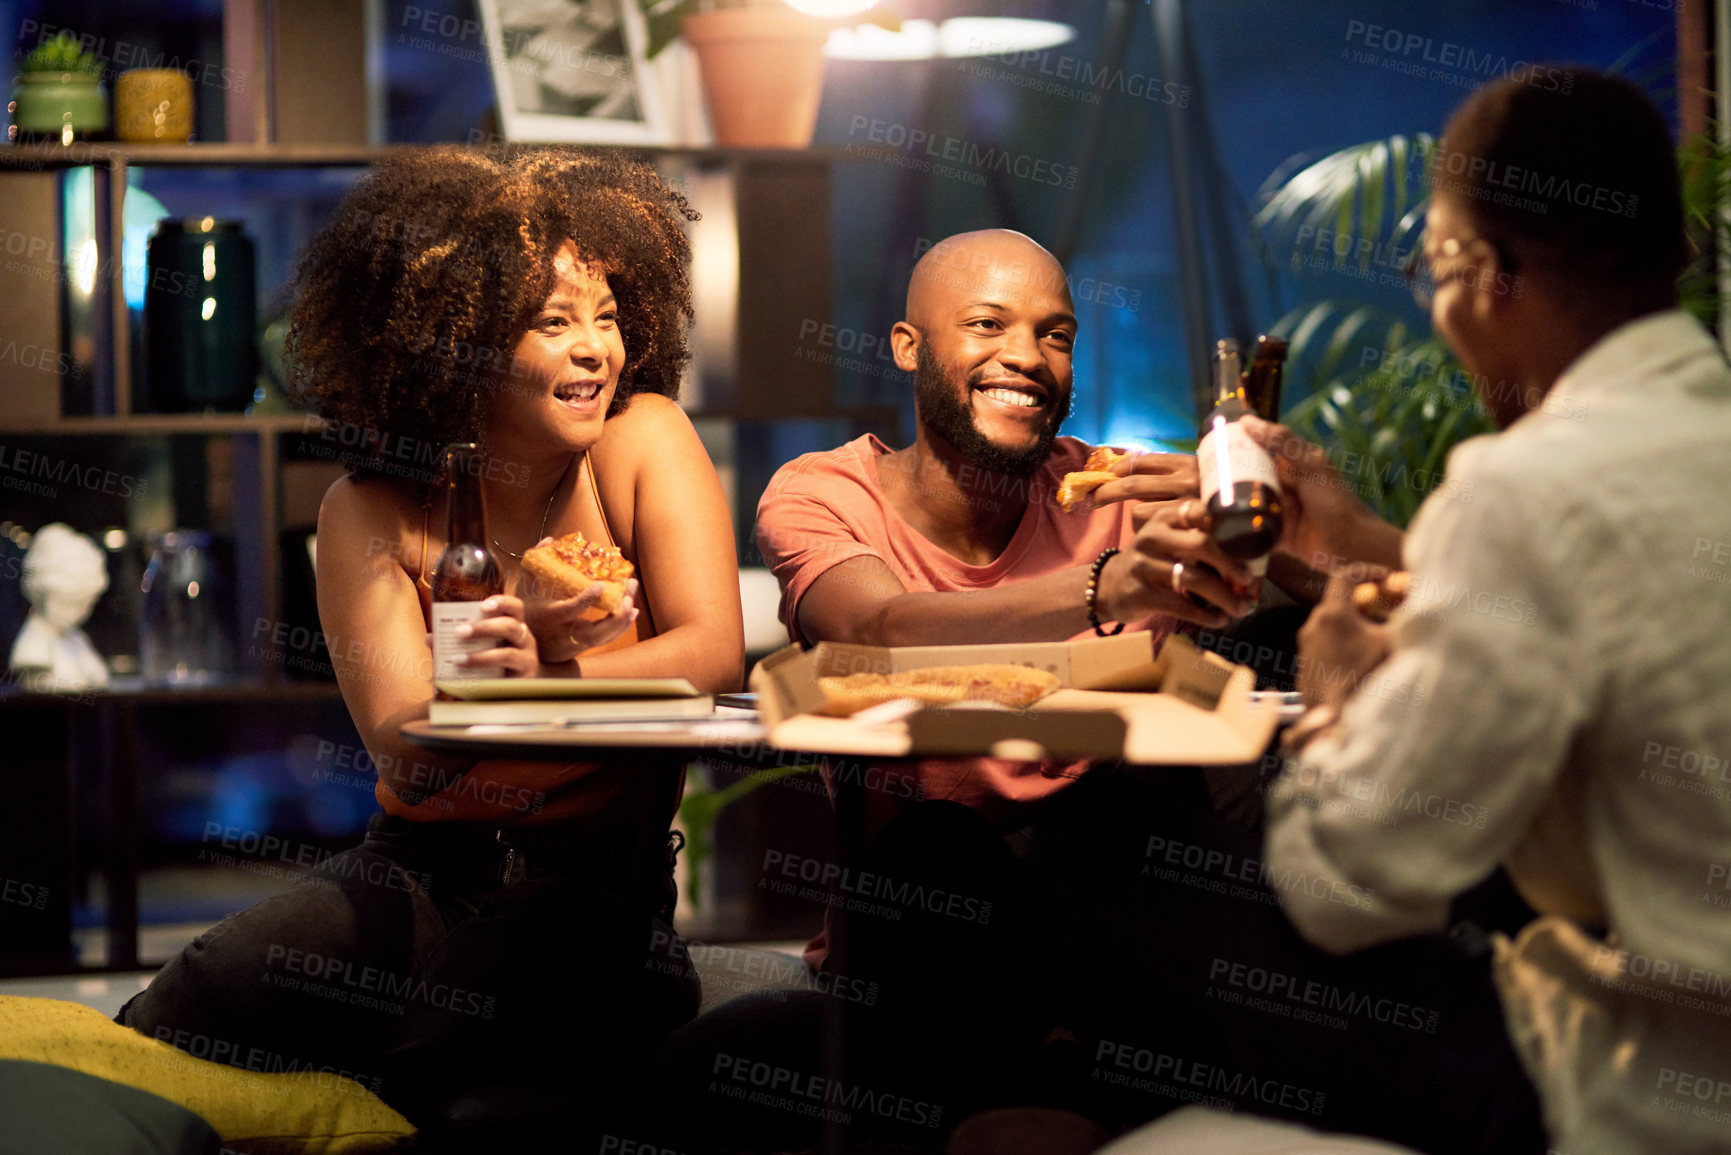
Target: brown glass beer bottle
466,573
1262,380
1239,485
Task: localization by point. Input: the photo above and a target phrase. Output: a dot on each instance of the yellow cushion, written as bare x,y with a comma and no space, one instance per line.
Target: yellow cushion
311,1112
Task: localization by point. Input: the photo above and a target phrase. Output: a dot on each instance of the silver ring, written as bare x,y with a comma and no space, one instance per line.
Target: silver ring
1178,578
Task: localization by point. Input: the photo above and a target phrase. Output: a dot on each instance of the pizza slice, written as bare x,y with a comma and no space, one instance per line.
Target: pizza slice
569,565
1078,487
1014,686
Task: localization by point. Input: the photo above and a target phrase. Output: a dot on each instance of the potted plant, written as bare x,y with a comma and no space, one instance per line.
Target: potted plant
698,811
58,94
761,62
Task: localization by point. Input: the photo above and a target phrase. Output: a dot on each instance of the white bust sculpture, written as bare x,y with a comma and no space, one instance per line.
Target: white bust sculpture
64,574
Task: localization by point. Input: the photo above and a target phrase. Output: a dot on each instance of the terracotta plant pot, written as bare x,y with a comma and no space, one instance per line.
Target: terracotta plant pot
762,74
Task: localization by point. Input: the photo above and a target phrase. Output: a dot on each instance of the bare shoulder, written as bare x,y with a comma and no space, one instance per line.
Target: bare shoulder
366,501
372,517
645,415
652,430
650,459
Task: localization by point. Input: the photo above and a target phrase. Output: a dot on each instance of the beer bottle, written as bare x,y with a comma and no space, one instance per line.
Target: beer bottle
1262,380
1239,484
467,573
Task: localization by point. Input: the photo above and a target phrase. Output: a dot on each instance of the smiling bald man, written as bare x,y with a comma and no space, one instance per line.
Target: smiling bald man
958,538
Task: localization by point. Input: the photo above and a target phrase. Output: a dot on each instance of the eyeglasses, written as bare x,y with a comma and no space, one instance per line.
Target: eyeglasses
1420,271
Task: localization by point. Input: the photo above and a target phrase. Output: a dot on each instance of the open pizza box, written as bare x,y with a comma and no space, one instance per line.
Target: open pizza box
1117,700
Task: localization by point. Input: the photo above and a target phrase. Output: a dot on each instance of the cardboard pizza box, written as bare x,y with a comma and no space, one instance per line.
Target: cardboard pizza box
1117,700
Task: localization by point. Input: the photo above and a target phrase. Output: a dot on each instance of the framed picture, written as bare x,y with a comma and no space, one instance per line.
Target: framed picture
572,71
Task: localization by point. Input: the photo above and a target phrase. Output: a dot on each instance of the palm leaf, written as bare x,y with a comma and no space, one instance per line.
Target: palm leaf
1349,329
1371,166
1399,158
1448,434
1706,183
1351,192
1391,422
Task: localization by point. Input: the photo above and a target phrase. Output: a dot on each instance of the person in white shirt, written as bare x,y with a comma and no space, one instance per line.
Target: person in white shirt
1554,695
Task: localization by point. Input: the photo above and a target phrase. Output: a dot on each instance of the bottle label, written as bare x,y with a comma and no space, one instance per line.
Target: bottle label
447,616
1228,451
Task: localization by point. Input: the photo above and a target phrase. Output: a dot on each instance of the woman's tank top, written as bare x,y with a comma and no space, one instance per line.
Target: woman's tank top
506,793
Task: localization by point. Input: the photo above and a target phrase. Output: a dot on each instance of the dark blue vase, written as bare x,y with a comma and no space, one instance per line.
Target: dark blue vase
200,316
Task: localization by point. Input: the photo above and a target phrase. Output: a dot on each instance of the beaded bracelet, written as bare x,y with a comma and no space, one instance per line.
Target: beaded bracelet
1091,597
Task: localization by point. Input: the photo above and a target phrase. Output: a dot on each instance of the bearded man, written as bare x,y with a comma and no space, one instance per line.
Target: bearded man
958,538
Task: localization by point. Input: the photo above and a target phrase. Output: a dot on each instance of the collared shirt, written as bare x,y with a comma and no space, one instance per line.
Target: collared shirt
1559,699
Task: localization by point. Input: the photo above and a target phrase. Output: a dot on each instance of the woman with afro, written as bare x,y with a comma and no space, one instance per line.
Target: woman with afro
497,948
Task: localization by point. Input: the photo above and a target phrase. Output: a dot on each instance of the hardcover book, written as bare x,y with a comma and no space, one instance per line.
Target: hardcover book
560,701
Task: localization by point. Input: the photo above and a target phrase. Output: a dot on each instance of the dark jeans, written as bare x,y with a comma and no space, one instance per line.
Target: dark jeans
1176,983
1188,984
461,980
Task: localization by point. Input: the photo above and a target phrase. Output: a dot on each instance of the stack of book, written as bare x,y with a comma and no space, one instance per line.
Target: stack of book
566,701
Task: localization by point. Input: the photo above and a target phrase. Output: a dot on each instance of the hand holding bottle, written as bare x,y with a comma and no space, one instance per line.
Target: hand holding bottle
1175,567
1325,524
504,644
467,582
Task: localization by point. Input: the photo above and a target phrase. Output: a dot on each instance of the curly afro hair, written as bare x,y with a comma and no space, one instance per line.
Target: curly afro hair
409,305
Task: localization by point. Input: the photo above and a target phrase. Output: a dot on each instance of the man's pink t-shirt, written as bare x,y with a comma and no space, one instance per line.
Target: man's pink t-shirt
825,508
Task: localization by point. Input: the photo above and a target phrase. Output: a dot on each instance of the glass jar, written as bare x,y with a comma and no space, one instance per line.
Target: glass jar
184,623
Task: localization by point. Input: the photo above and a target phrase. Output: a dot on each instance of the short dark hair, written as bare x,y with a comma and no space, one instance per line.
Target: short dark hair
1579,177
409,305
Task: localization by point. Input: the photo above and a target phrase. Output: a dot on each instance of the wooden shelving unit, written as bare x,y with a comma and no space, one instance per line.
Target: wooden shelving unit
40,156
39,313
148,423
759,211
